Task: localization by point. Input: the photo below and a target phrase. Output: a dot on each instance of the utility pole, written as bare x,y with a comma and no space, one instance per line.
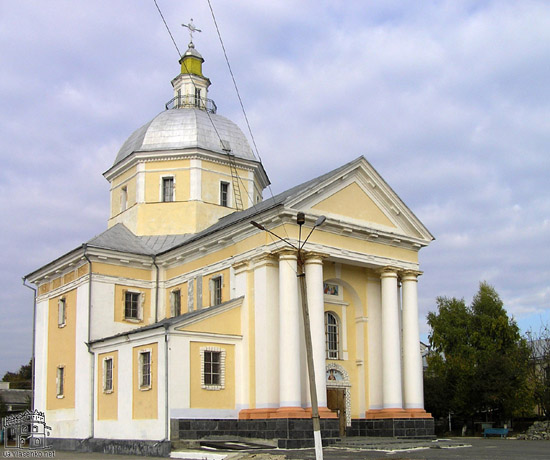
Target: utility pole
300,220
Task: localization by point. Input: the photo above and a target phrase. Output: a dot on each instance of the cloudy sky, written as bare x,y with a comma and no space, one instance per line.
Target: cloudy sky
449,101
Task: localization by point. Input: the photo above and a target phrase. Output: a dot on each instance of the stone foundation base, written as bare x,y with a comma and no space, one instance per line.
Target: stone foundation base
393,427
113,446
291,433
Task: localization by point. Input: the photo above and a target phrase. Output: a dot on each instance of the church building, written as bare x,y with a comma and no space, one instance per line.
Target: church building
184,321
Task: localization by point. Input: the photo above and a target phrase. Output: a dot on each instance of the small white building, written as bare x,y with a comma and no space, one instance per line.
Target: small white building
182,320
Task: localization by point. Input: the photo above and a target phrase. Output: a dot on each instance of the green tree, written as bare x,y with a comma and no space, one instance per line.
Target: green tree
539,370
478,359
22,379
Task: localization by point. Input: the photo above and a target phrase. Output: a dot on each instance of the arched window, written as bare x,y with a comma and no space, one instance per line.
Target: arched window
332,336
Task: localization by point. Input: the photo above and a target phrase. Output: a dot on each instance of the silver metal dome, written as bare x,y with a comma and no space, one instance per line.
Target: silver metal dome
179,129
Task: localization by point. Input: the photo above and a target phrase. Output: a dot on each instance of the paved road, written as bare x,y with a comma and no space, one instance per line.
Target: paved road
480,449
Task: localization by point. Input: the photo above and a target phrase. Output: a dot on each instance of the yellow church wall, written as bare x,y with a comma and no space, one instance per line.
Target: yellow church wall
120,297
82,270
67,278
212,399
206,287
128,180
256,240
167,165
61,352
228,322
124,177
353,202
354,306
107,401
152,218
145,401
101,268
153,181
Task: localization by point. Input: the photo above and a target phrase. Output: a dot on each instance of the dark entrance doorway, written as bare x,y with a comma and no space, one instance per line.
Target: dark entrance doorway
336,401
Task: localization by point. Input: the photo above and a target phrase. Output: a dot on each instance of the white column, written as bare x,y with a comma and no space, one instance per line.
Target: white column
316,306
266,316
289,332
412,361
391,353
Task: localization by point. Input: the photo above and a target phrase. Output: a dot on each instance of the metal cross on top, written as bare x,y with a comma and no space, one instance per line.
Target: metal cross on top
191,28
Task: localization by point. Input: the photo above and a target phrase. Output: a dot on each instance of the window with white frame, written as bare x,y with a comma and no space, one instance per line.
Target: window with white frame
224,194
212,368
144,370
133,306
108,375
175,301
167,189
60,381
216,284
332,336
61,312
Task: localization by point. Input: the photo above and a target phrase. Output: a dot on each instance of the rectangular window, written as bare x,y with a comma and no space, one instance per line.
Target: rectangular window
108,375
61,312
60,381
145,369
197,97
217,290
224,194
123,198
212,362
132,305
167,189
176,302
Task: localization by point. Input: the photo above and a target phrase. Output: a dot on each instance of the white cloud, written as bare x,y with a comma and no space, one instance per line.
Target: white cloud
448,100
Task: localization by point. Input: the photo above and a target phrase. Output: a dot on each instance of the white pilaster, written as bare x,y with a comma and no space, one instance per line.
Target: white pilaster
316,306
391,353
195,182
412,361
289,332
140,183
374,309
242,395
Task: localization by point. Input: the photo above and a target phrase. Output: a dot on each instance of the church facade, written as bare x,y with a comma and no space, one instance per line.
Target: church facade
182,320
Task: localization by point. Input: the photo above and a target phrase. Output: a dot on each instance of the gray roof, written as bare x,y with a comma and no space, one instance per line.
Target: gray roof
13,396
187,128
119,238
166,322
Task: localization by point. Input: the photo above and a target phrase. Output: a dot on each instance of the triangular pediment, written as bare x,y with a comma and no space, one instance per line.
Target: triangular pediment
353,202
357,195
